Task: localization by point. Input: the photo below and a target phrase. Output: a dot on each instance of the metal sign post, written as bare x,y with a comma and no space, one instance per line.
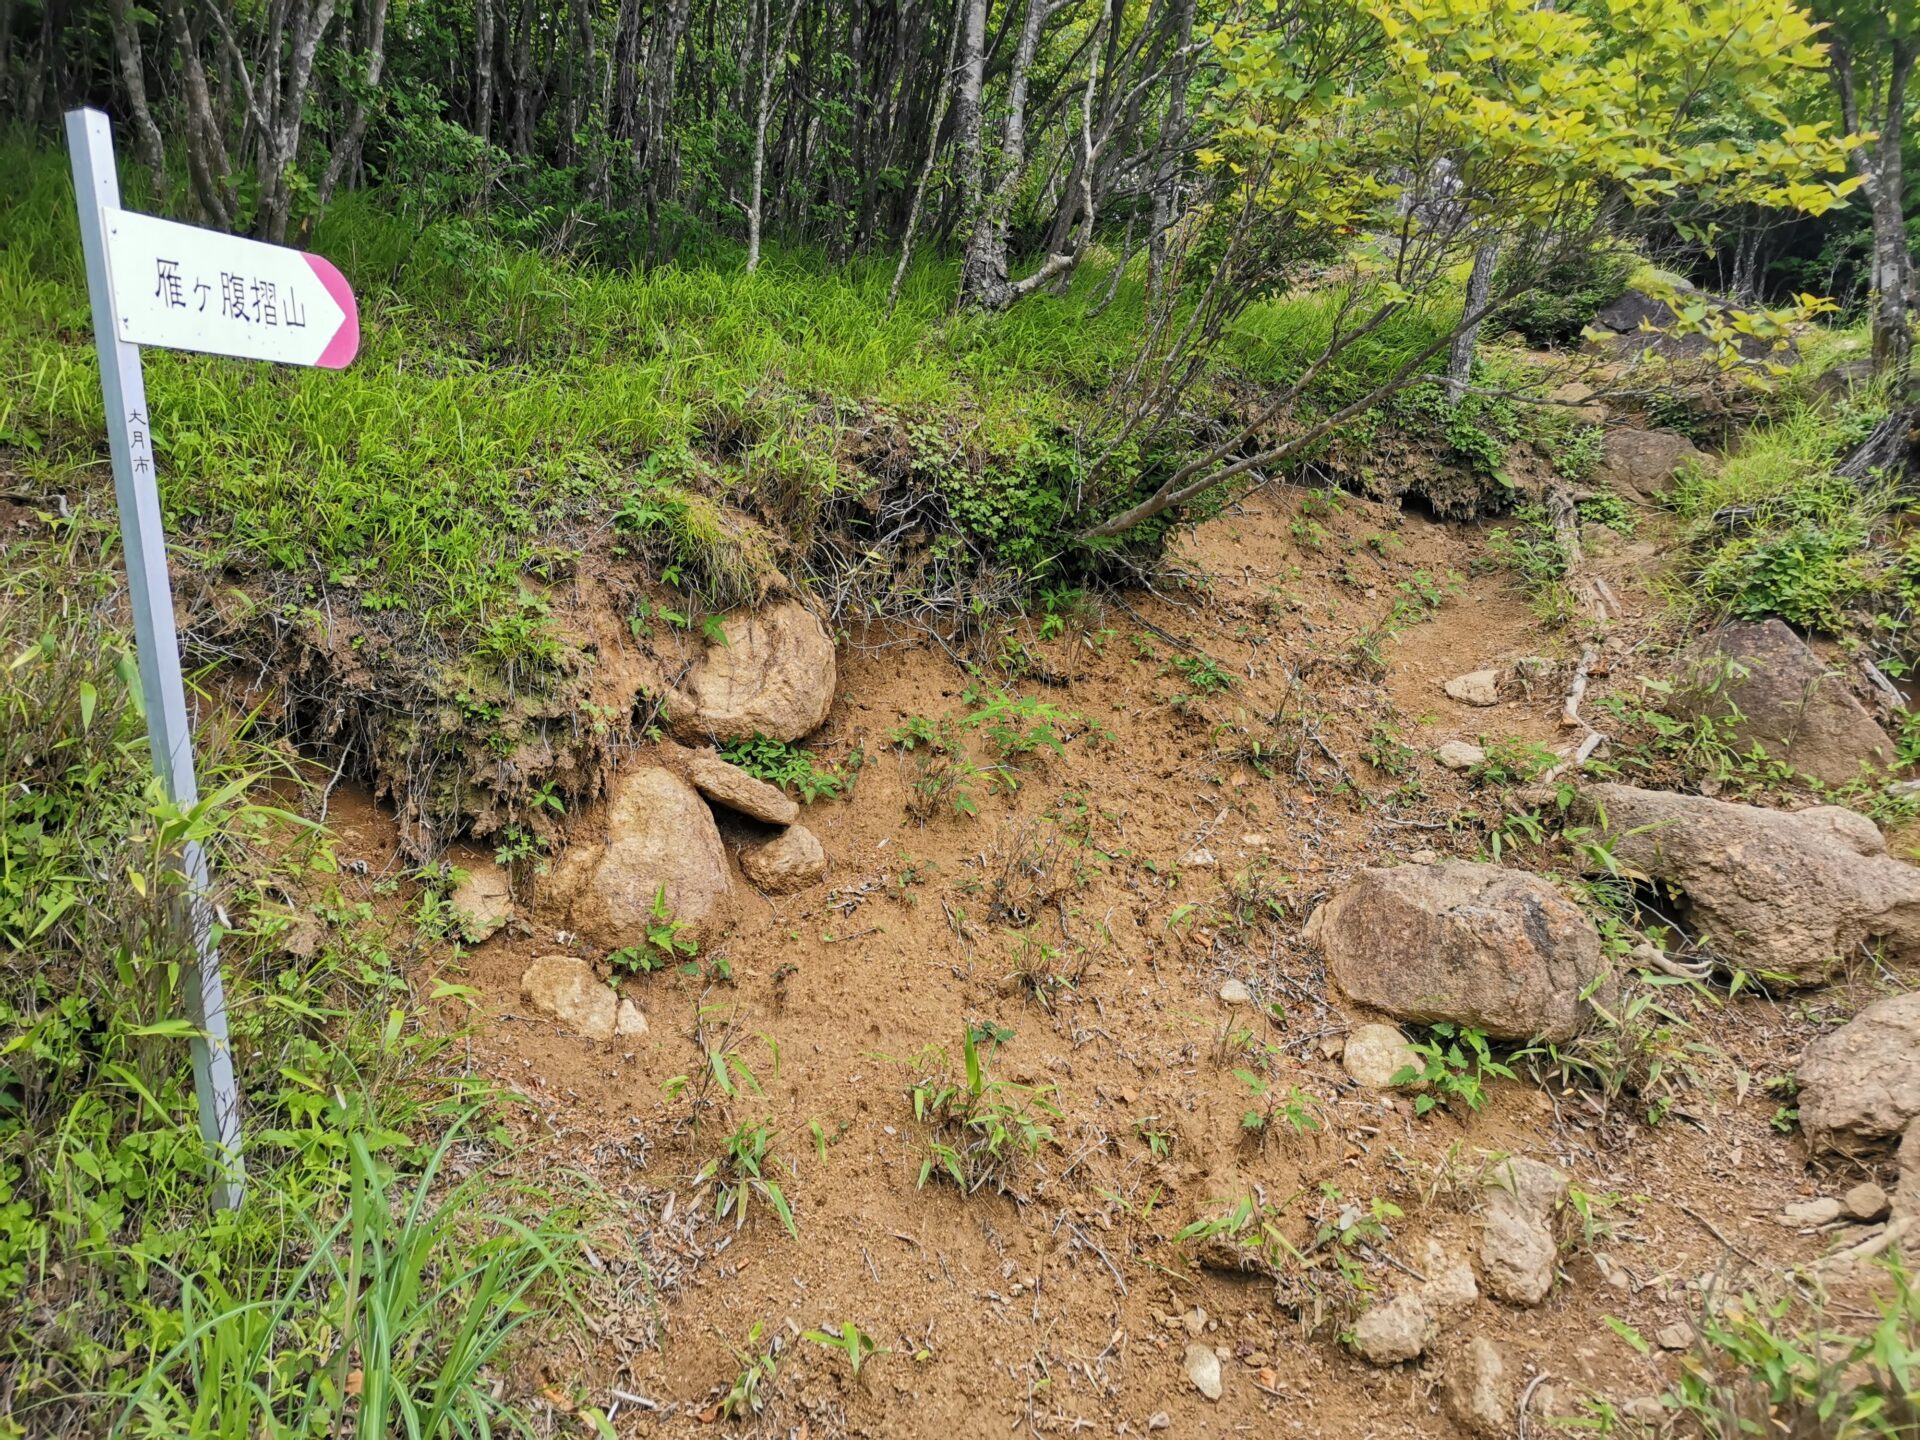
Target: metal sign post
152,282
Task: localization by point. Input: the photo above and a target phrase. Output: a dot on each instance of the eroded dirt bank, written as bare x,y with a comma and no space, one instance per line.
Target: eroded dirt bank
1123,931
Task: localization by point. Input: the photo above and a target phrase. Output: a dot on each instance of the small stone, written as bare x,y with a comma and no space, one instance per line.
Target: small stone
1203,1369
1391,1333
1195,1322
630,1020
1450,1284
567,989
1673,1337
1478,1390
791,860
1477,687
1517,1251
1374,1054
1823,1211
1199,858
1866,1202
482,903
727,784
1235,992
1159,1420
1460,755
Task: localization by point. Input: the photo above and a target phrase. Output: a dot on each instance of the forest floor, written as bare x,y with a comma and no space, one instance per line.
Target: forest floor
1214,791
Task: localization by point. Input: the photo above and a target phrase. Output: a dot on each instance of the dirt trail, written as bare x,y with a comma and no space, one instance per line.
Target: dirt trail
1070,1309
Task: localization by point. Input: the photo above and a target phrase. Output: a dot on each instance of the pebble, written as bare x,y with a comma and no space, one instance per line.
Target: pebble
1823,1211
1673,1337
1199,859
1235,992
1203,1369
1460,755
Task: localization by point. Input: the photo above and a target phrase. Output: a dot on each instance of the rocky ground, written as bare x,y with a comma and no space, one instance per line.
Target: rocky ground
1197,870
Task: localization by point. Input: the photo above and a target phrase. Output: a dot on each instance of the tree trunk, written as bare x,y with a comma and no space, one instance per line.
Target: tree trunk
1878,162
938,119
1460,352
983,271
773,60
346,150
133,77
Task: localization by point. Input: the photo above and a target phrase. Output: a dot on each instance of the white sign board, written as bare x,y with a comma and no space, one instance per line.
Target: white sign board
191,289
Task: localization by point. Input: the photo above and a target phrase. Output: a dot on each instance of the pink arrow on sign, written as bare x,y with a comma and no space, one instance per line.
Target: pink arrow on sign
185,288
346,340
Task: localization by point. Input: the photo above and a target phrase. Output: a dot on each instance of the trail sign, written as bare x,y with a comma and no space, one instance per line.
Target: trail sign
191,289
144,279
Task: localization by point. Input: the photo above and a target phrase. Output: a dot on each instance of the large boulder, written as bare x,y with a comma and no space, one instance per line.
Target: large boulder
773,676
660,840
1860,1084
1496,950
1639,323
1642,464
1785,894
1768,688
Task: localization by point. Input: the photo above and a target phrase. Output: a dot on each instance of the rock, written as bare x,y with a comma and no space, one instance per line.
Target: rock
482,903
1479,1390
1449,1284
1782,894
791,860
568,990
1860,1084
1235,992
1517,1250
727,784
1497,950
1203,1369
1198,859
1674,1337
1906,1190
1641,464
1478,687
1396,1331
1460,755
1374,1054
1823,1211
660,839
774,676
1766,687
1866,1202
1620,328
630,1021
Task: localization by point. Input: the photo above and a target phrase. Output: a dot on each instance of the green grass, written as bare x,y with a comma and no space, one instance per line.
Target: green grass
1773,531
404,532
127,1306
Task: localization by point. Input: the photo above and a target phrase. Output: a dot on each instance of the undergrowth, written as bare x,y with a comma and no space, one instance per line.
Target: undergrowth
361,1287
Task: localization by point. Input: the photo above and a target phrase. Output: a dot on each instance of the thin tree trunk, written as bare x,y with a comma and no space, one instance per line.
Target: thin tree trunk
939,118
346,150
772,61
1460,352
133,78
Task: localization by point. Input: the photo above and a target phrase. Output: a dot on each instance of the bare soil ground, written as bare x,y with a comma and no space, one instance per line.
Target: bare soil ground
1066,1306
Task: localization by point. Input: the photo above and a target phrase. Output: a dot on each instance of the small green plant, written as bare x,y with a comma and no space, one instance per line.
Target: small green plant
791,767
1270,1103
979,1126
739,1172
1455,1063
1203,675
850,1340
747,1393
1775,1367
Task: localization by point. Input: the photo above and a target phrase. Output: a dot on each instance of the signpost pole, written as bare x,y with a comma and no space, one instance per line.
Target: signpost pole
96,187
